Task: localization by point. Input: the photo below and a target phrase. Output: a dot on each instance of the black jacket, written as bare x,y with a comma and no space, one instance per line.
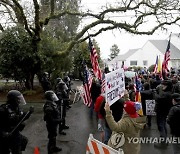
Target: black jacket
95,91
173,120
146,95
163,103
51,113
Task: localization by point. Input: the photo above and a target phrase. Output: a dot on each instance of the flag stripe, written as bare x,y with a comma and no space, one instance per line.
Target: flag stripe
103,84
87,83
94,61
166,58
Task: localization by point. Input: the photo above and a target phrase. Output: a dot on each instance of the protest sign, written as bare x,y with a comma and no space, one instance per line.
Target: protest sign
114,85
150,105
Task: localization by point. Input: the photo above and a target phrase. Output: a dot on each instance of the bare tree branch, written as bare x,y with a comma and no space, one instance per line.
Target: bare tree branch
18,9
131,16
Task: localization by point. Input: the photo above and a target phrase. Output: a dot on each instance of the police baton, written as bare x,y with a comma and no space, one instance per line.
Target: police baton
27,114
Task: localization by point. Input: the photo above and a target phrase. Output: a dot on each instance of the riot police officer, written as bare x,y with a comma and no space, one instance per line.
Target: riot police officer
12,122
52,118
67,81
46,84
61,91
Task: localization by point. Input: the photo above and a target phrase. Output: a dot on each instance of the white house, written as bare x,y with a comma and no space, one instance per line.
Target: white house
146,56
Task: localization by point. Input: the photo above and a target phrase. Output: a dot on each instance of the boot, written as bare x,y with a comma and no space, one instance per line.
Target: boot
56,149
66,127
52,146
62,133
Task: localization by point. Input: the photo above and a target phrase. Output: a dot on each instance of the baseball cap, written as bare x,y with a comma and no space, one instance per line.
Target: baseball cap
130,108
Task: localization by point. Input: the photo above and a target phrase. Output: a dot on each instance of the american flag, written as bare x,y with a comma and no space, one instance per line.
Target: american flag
166,59
87,83
156,65
94,60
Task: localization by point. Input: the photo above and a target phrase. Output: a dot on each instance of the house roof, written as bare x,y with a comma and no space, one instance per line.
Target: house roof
161,45
125,56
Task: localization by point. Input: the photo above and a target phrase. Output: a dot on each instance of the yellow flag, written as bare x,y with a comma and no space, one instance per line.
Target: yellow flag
138,99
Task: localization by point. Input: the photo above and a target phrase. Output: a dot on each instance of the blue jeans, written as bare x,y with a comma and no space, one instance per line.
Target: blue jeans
91,110
107,134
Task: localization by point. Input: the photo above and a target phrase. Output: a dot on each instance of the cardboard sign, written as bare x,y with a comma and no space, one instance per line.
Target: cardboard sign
150,105
114,85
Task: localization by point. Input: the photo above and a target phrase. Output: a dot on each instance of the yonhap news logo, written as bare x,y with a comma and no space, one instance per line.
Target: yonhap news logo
153,140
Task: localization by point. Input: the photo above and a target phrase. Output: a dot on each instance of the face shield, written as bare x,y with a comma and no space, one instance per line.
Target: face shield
65,87
21,100
54,97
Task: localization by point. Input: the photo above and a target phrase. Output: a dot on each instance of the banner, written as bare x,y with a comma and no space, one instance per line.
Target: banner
150,105
114,85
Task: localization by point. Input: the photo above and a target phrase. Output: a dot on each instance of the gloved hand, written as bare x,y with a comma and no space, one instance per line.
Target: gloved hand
31,109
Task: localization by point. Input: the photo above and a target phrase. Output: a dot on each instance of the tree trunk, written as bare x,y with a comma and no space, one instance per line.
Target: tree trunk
29,81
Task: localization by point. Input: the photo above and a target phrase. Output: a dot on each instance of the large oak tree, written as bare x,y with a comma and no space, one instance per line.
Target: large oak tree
138,13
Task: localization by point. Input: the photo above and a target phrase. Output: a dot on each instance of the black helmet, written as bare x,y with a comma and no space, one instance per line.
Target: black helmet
59,80
45,73
14,96
66,79
51,96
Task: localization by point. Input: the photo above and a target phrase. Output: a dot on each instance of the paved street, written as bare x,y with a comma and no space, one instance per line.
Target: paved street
80,127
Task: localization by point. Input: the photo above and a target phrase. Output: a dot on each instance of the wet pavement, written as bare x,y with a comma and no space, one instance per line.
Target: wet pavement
81,125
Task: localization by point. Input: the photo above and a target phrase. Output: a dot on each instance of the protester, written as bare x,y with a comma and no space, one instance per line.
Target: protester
52,118
12,123
101,120
173,121
95,92
146,94
176,84
129,125
132,93
162,107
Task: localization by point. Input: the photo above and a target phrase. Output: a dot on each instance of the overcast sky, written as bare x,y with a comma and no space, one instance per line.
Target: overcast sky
124,40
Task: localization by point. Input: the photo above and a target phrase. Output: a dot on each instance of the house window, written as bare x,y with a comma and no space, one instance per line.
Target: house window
133,62
145,63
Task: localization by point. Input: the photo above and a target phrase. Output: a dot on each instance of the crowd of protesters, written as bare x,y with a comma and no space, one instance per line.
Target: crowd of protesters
122,115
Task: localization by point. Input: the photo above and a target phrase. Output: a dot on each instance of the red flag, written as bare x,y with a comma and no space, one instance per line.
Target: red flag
94,61
87,83
166,59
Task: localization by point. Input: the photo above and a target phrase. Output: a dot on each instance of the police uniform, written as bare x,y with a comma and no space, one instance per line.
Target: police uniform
52,118
11,116
63,103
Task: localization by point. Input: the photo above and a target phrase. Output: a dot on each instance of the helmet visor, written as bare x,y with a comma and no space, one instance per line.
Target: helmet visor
21,100
54,97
